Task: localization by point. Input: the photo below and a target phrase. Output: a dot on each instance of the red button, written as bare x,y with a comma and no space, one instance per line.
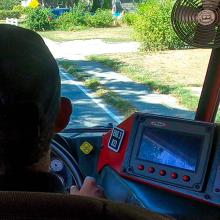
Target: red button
151,169
186,178
141,167
163,172
174,175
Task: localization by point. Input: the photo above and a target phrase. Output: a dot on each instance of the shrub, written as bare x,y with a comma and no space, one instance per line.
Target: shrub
40,19
73,19
19,8
8,4
152,25
9,14
129,18
101,18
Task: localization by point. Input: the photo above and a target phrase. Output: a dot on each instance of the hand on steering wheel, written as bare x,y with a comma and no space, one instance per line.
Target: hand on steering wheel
89,188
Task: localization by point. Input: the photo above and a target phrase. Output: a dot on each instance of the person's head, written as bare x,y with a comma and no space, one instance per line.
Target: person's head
31,109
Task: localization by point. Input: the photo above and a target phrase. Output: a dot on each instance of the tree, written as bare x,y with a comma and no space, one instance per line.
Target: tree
58,3
103,4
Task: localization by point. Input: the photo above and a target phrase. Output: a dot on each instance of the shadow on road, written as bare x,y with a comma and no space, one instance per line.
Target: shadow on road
139,95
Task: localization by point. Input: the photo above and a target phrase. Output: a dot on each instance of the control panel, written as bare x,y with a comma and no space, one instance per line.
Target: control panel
177,155
169,150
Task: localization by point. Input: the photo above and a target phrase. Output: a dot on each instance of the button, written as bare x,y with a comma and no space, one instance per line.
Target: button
186,178
141,167
174,175
151,169
163,172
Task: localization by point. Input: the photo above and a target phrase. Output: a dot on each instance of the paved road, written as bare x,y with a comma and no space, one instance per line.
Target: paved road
88,111
139,95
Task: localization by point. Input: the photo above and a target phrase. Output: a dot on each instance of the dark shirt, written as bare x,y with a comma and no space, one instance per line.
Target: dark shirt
31,182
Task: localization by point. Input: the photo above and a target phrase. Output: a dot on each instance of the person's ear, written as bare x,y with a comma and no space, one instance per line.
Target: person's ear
64,114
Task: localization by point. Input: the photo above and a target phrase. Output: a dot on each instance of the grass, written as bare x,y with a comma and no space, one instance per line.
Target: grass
112,34
170,72
101,91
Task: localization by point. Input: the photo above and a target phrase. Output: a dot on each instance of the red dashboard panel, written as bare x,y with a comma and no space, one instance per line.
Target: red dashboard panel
108,156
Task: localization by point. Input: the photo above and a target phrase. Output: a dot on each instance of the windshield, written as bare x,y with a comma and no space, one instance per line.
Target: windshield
118,57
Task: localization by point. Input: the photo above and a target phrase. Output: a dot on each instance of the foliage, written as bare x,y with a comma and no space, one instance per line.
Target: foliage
9,14
80,18
8,4
129,18
58,3
107,4
101,4
74,18
101,18
152,25
40,19
92,84
19,8
34,4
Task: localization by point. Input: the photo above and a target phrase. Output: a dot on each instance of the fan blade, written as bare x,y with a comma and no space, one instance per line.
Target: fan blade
204,35
210,4
186,14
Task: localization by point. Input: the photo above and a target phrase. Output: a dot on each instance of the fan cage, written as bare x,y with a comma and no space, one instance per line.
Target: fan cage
186,25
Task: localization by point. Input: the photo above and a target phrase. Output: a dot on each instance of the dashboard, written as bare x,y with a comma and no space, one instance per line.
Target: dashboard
167,165
175,155
58,167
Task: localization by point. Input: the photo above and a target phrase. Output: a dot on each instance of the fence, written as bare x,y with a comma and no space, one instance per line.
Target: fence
13,21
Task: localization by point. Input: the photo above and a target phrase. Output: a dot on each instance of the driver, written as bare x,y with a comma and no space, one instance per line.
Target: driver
31,111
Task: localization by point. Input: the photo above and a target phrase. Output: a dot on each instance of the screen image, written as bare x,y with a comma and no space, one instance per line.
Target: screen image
171,148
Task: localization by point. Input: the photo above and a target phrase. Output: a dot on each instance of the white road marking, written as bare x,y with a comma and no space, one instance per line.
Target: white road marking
85,91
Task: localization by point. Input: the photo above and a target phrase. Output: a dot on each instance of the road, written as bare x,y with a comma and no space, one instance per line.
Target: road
88,110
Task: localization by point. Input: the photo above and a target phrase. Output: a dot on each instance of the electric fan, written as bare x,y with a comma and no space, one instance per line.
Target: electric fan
197,22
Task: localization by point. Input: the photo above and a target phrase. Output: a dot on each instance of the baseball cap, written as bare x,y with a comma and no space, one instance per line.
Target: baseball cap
28,71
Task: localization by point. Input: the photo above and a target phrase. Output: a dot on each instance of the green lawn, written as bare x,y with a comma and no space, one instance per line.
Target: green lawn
113,34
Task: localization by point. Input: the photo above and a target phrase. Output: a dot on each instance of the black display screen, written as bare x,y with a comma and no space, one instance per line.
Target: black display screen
176,149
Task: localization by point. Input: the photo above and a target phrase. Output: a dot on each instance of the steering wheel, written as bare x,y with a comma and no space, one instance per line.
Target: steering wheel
72,174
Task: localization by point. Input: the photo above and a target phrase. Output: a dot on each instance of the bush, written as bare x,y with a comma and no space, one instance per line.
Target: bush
101,18
129,18
40,19
80,18
73,19
9,14
19,8
152,25
8,4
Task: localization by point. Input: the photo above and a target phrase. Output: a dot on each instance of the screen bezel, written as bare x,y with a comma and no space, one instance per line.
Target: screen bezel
171,124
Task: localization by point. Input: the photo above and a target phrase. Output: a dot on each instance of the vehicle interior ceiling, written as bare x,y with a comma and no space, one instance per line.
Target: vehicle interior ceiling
164,164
